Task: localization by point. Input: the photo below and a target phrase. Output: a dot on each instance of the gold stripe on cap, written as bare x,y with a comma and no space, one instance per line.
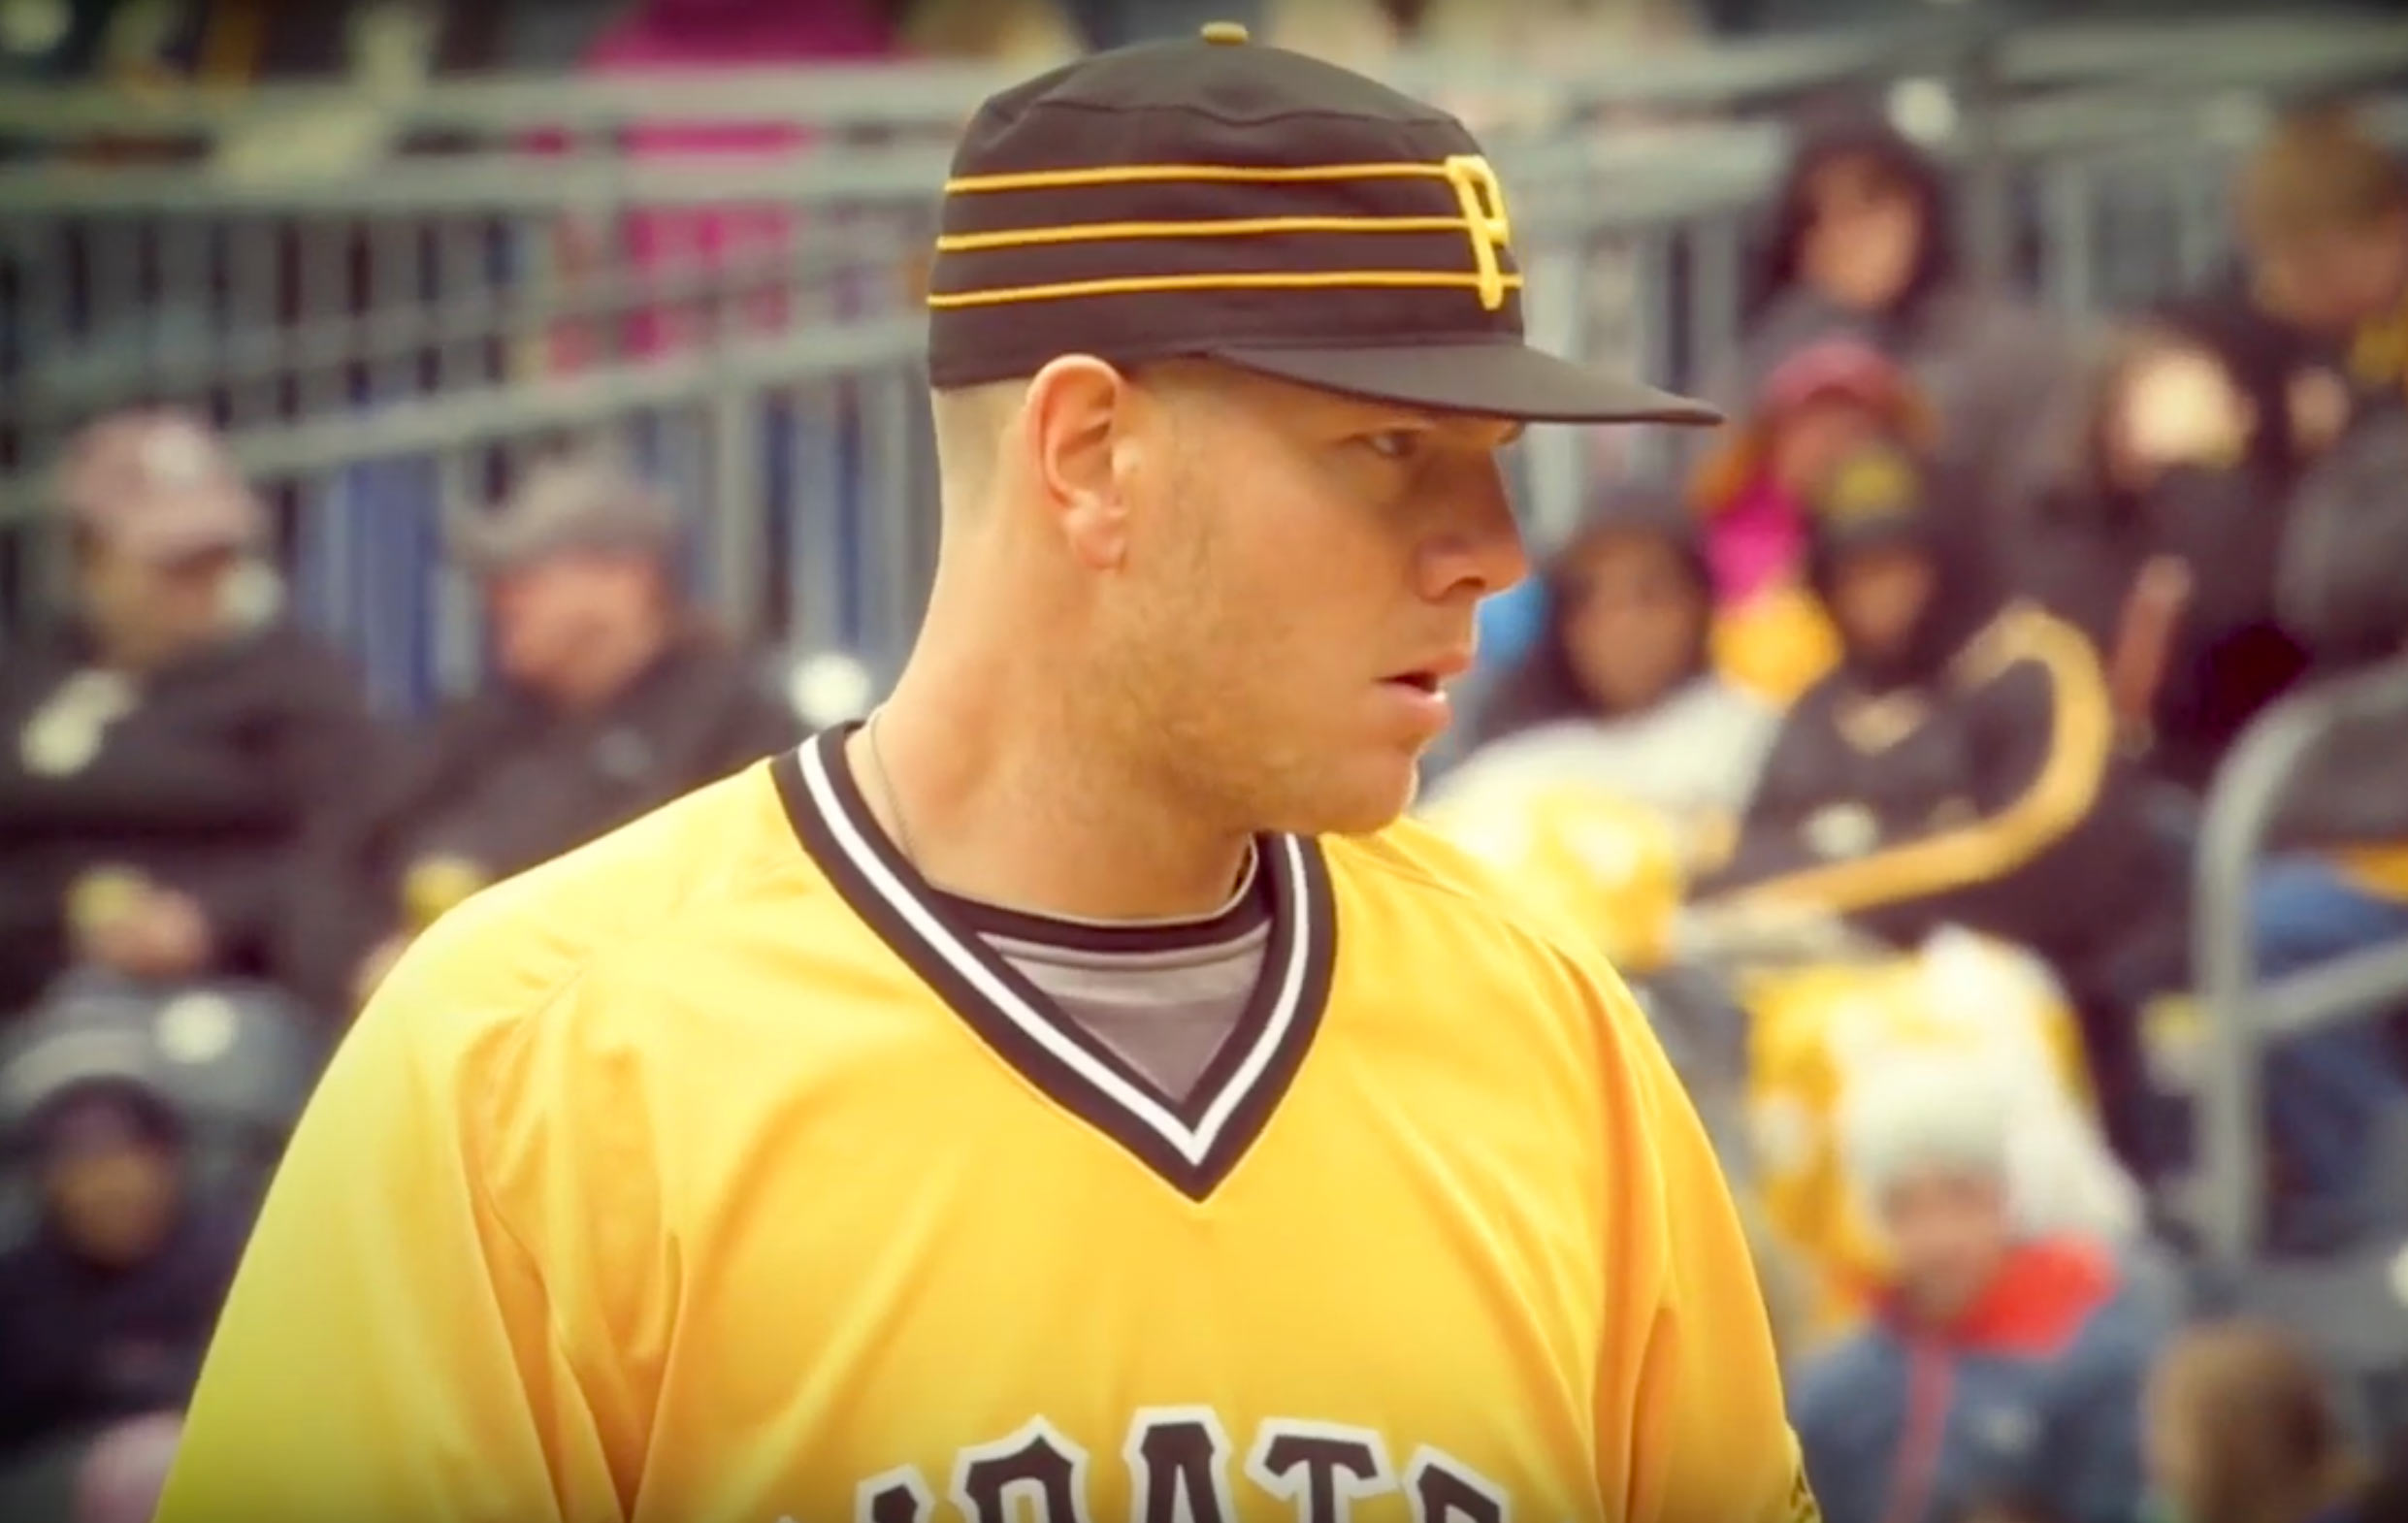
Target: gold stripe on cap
1478,194
1170,174
1269,281
1223,227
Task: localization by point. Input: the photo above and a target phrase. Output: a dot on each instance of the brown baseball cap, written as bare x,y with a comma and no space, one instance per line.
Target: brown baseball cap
159,484
584,502
1214,198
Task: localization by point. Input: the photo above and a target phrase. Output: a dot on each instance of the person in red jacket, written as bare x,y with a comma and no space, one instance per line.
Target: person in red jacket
1999,1365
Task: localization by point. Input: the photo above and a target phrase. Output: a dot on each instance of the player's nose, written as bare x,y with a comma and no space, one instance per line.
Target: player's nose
1478,549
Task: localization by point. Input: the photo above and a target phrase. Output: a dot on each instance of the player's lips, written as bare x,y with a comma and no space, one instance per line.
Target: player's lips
1422,689
1434,675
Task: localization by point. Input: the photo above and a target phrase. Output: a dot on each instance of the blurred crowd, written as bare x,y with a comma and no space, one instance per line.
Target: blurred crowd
1872,744
1912,688
137,43
209,834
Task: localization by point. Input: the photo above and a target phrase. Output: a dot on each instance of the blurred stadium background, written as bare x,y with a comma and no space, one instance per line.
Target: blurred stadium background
398,251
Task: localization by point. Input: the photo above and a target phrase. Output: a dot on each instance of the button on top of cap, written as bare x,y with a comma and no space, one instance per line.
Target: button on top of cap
1225,34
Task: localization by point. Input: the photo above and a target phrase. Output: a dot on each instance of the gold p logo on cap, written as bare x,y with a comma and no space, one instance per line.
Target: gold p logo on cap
1483,200
1225,34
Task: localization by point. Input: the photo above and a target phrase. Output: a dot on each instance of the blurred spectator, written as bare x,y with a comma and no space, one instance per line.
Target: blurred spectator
1998,1364
1619,693
2324,224
611,698
1829,398
2242,1428
170,747
1960,767
2160,538
105,1314
747,248
1863,242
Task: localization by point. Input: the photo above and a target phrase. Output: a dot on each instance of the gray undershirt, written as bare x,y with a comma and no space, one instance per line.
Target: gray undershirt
1164,1011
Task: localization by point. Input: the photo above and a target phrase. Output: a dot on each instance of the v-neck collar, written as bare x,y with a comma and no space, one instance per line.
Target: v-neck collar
1191,1141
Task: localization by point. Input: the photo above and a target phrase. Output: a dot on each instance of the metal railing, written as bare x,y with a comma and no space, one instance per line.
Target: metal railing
388,342
2245,1013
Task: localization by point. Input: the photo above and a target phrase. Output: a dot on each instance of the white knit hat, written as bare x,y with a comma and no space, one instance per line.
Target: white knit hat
1928,1112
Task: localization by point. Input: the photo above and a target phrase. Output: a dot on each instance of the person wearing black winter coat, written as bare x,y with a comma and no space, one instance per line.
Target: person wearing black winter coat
167,747
607,700
2198,431
1961,768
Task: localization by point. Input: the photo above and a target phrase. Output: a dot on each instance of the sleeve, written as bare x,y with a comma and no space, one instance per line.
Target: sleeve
1710,1439
2337,582
393,1351
127,788
2040,774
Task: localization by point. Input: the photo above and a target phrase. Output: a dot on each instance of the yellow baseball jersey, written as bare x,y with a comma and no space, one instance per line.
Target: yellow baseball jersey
716,1173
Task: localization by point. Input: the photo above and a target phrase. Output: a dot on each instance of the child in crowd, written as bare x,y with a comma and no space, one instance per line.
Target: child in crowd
2242,1428
1824,404
2000,1364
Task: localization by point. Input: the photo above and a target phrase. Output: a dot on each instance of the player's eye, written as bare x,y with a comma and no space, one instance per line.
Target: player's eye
1400,444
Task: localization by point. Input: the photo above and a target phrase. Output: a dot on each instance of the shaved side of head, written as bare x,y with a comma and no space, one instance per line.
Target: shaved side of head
971,422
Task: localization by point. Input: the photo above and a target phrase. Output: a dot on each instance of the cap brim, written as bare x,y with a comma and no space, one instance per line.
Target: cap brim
1491,380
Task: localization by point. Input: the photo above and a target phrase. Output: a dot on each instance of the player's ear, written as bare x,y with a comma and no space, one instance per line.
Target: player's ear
1078,412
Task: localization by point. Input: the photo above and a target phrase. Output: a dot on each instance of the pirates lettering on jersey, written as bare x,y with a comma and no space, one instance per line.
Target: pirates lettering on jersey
1178,1460
1321,1467
1036,1464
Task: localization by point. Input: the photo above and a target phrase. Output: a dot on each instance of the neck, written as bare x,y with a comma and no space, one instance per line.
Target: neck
996,796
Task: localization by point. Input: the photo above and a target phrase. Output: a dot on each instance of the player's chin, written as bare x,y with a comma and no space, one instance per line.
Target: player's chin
1365,792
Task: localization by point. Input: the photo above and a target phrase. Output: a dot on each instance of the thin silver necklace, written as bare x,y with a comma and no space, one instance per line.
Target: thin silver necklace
902,826
886,785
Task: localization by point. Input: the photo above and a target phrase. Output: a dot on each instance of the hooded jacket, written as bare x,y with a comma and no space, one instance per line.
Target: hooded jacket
1992,370
1970,778
2033,1392
1770,634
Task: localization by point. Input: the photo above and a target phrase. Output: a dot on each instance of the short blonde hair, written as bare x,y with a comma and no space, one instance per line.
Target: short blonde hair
2320,170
